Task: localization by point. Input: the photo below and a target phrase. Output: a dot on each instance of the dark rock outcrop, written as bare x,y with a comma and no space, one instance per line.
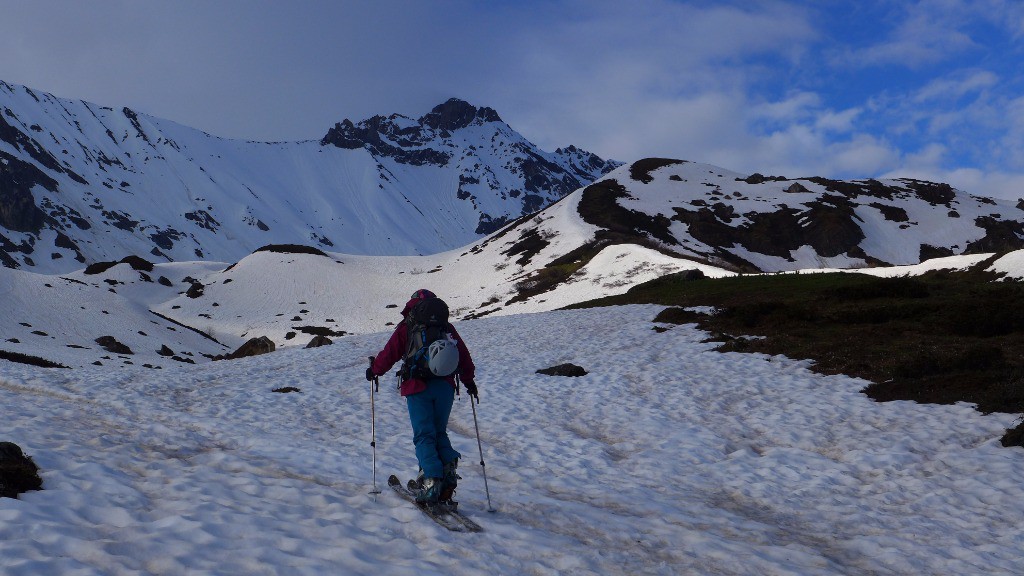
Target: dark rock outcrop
203,219
110,344
641,169
318,330
1014,436
933,193
319,341
367,134
563,370
829,225
21,141
18,472
455,114
1000,236
195,289
136,262
529,245
290,249
253,347
18,209
891,213
928,252
599,206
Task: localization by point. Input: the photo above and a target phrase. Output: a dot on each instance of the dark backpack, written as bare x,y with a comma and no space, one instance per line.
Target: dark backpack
427,323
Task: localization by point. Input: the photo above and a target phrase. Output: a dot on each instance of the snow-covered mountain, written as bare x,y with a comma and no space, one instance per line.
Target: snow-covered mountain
81,183
640,222
175,313
764,223
187,312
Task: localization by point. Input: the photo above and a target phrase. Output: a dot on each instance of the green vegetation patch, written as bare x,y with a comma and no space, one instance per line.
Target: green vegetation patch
943,337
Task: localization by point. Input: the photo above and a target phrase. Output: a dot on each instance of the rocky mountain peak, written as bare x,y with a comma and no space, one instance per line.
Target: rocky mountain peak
452,115
455,114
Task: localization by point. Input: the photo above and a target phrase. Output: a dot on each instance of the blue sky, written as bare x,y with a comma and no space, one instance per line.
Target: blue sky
929,89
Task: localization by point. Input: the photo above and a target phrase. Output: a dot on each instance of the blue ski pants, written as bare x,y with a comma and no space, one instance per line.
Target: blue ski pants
428,412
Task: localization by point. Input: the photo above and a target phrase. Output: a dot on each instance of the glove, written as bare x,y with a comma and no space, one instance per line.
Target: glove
471,389
370,375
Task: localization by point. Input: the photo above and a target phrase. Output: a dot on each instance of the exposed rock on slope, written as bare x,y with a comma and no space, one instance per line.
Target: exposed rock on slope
18,472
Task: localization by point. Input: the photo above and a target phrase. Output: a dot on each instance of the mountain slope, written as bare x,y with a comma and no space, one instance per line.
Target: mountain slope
758,223
286,296
81,183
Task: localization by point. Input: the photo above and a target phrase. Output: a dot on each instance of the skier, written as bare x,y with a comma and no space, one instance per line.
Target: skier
429,398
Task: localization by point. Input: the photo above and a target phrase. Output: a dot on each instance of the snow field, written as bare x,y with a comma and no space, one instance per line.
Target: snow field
957,263
667,458
1012,265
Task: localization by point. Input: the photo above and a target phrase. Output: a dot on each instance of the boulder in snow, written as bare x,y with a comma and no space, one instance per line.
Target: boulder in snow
319,341
563,370
253,347
18,473
110,344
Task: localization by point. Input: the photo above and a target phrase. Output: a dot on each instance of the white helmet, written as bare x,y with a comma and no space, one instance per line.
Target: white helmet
443,356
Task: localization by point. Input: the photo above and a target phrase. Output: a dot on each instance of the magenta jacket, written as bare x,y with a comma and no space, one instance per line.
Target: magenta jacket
394,350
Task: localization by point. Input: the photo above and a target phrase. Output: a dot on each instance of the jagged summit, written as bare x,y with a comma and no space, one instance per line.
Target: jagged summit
450,116
455,114
396,134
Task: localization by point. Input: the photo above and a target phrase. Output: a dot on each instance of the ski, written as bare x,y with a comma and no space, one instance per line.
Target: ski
445,514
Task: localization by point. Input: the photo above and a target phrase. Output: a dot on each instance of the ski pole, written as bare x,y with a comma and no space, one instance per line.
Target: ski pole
483,466
373,430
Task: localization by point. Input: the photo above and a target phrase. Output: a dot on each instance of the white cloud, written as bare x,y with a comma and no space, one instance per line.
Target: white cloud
1012,143
643,79
995,184
795,107
736,83
957,86
842,121
927,159
926,34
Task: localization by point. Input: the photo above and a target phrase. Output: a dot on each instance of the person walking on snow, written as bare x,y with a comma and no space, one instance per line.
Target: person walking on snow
428,397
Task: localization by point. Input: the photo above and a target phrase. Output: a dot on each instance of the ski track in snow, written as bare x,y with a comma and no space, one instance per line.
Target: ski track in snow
667,458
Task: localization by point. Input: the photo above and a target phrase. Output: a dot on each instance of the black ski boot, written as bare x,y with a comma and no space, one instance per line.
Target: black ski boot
450,481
